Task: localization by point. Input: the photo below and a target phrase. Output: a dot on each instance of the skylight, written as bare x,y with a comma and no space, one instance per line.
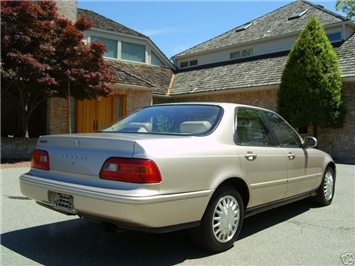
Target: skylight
244,26
297,14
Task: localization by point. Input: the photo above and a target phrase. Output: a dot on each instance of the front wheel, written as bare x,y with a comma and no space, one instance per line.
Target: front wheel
222,221
326,189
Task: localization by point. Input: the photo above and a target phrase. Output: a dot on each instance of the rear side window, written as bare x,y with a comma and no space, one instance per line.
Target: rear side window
251,129
285,134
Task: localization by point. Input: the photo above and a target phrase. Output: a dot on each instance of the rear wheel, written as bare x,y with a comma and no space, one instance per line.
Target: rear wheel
222,221
325,191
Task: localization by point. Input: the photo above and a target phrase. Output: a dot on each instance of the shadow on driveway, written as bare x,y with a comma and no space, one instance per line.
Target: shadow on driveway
78,242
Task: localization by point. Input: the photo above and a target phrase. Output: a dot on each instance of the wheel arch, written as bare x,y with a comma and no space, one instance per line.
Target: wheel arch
333,166
240,185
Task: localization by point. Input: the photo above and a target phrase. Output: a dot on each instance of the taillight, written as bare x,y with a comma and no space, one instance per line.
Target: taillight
40,160
130,170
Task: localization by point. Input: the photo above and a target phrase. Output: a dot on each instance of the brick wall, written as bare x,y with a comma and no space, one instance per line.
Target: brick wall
261,98
340,143
57,116
135,99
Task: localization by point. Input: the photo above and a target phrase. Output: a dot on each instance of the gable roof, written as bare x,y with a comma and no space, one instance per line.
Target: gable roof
104,23
141,75
262,71
127,73
254,72
275,23
258,71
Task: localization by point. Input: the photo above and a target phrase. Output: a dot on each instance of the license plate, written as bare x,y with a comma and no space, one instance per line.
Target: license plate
63,202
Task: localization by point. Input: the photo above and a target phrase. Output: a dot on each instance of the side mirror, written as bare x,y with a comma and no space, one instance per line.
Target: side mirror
310,142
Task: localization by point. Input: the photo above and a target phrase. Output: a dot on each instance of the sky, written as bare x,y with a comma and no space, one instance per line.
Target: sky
175,26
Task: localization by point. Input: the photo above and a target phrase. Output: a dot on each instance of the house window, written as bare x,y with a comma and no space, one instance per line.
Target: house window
184,64
247,52
193,63
334,37
133,52
240,54
235,55
156,61
189,63
110,44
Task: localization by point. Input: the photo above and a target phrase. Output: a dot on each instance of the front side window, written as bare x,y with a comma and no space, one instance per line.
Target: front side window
133,52
110,44
251,129
170,119
285,134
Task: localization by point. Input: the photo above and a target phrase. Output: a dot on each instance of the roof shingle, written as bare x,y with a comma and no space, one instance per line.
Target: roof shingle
143,75
273,24
107,24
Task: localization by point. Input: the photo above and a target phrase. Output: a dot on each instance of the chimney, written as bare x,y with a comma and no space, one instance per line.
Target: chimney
68,9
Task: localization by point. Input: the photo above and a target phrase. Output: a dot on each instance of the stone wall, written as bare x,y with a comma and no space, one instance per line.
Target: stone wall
17,148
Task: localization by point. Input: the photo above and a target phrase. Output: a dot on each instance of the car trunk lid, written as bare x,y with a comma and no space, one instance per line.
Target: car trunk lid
84,153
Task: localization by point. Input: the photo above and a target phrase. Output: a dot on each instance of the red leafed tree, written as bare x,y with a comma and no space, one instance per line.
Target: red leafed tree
41,53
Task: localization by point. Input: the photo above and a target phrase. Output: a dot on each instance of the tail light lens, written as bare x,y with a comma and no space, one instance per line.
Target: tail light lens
130,170
40,160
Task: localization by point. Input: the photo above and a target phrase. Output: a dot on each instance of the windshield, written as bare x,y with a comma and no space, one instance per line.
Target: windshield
170,119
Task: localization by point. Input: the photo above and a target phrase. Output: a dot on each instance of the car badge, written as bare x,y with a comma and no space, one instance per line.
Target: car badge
76,142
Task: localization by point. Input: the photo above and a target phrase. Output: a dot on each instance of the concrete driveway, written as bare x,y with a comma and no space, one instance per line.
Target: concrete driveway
295,234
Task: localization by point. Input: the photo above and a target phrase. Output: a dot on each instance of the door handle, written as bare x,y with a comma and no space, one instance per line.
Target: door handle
291,156
250,156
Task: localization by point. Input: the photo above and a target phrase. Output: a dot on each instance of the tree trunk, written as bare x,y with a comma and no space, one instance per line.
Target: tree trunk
23,115
22,123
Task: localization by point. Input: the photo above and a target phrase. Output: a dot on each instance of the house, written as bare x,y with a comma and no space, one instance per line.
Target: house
245,65
140,66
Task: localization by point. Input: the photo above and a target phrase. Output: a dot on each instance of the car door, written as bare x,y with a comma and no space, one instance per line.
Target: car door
263,163
302,168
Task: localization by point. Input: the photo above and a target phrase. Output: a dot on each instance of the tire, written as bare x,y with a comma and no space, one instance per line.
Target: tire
222,221
325,192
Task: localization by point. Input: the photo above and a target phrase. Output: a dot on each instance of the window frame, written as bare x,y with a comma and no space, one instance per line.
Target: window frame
267,136
241,53
95,38
299,141
123,43
334,36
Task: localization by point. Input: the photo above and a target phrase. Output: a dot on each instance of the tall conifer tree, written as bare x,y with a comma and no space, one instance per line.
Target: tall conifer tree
311,86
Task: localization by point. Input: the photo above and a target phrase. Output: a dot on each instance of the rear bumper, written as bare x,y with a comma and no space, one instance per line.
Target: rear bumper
156,211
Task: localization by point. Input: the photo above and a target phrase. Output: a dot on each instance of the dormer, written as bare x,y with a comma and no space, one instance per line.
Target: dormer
122,42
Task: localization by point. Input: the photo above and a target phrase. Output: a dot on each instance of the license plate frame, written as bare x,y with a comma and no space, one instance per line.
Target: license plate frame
63,203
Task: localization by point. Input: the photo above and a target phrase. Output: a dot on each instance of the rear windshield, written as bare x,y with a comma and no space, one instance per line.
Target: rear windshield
170,119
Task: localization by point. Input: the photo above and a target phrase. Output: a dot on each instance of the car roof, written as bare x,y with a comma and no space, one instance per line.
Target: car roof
224,105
